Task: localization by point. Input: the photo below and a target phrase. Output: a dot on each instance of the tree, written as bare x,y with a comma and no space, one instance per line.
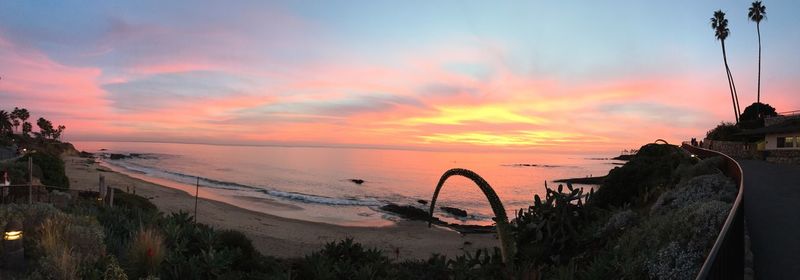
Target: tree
720,25
724,132
57,132
45,128
753,116
5,122
757,13
19,115
26,128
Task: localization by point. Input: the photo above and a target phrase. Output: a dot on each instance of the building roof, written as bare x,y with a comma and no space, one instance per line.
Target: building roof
786,126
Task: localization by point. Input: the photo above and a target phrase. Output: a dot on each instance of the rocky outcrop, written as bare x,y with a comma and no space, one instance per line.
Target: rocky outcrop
454,211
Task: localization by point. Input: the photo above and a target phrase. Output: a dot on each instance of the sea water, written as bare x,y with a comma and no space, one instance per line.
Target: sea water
314,183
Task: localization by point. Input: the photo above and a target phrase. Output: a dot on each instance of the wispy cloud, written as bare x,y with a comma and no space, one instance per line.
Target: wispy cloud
292,73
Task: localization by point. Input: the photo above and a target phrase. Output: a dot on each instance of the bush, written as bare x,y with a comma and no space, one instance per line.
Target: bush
345,260
132,201
753,116
246,258
59,245
724,132
652,167
51,169
17,172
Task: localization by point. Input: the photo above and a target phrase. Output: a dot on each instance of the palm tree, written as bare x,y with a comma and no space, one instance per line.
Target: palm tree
720,25
757,13
19,116
5,121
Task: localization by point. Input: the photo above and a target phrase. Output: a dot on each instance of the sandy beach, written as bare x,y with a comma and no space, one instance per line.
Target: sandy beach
282,237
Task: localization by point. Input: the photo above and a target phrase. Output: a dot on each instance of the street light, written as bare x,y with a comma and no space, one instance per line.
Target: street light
13,230
13,250
12,235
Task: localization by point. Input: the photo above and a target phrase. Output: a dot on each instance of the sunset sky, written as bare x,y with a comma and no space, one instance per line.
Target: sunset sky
539,75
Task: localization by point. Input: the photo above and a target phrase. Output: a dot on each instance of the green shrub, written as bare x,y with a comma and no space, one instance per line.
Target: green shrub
59,245
245,257
344,260
123,199
17,172
50,169
233,239
114,271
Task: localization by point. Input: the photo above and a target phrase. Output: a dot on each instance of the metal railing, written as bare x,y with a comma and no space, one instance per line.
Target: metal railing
789,113
726,258
23,193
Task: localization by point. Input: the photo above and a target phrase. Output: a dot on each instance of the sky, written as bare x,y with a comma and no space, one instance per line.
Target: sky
463,75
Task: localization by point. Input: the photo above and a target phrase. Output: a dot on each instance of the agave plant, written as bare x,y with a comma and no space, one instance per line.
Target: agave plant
507,243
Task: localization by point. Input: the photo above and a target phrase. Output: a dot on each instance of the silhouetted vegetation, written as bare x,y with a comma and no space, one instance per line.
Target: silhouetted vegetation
720,25
652,167
725,132
753,116
48,168
671,212
756,13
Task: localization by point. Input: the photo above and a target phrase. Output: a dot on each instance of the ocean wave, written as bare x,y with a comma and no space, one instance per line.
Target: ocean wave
316,199
226,185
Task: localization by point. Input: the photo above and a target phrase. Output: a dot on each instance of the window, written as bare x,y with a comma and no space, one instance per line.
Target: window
788,142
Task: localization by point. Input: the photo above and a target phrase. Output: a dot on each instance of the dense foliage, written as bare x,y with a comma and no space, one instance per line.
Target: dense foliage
49,168
548,229
653,166
753,116
724,132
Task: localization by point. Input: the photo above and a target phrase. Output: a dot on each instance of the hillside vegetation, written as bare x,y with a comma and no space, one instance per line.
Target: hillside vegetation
655,217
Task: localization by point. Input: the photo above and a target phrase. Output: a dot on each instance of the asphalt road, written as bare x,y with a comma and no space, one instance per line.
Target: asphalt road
772,213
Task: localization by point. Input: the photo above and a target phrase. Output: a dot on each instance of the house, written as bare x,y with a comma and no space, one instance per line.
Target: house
780,138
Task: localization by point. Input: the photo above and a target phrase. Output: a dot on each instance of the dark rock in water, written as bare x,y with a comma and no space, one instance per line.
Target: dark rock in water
623,157
472,229
454,211
117,156
103,150
584,181
533,165
407,212
135,155
413,213
85,154
357,181
422,201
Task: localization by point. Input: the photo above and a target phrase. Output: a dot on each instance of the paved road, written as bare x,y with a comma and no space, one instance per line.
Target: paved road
772,212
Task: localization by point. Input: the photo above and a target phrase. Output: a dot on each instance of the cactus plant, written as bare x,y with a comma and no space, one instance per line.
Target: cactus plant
507,244
549,230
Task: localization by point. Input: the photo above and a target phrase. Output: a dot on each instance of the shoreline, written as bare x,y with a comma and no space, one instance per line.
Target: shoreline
285,237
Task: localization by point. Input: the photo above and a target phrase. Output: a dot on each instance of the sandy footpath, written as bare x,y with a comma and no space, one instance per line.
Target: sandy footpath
283,237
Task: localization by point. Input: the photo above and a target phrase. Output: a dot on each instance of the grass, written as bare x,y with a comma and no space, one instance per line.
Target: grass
146,253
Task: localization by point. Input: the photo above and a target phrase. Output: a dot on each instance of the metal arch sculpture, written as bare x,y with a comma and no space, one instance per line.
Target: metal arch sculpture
660,140
507,246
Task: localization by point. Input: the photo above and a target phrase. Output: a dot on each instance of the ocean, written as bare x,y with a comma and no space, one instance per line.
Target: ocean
314,183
